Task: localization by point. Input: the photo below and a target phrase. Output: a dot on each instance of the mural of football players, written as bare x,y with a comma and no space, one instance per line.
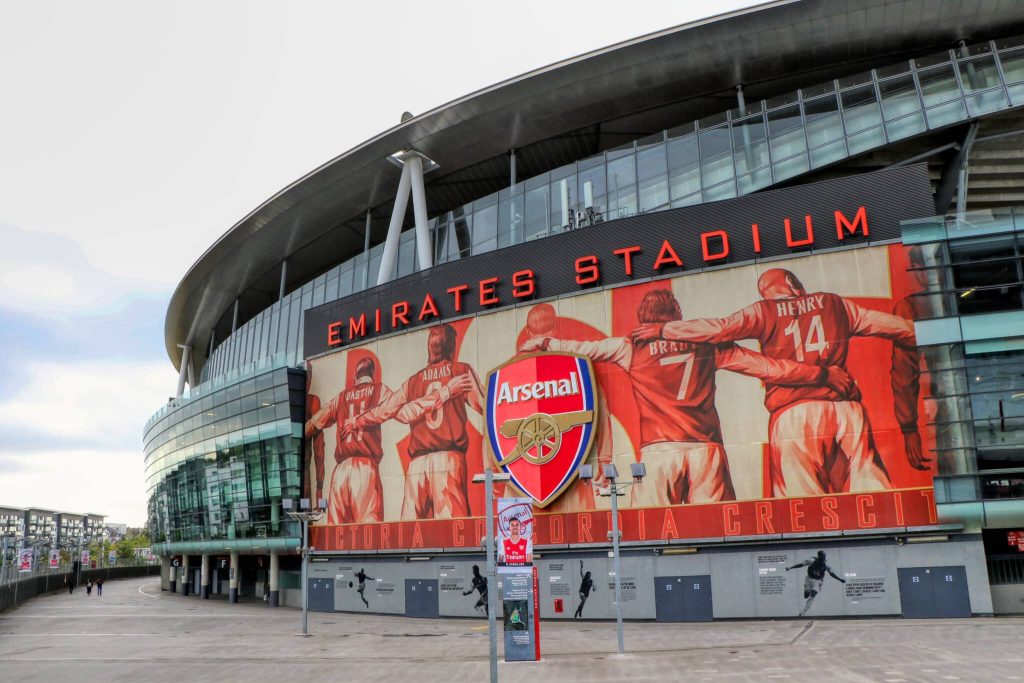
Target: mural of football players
436,481
543,321
586,585
355,492
674,386
314,447
478,583
906,366
820,437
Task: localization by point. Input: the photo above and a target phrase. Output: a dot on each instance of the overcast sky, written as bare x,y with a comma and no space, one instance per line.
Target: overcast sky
133,134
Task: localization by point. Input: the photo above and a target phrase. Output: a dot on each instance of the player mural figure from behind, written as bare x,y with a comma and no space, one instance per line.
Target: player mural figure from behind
355,493
362,576
586,585
314,447
436,483
816,568
479,583
819,435
906,365
674,388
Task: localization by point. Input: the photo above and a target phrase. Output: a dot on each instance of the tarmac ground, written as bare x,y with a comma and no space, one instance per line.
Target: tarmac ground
135,632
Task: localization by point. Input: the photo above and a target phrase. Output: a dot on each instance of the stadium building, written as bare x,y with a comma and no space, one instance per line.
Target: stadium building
779,249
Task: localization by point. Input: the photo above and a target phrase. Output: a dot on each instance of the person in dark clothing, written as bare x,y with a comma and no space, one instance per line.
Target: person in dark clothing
71,586
479,584
362,576
586,585
99,586
88,587
816,570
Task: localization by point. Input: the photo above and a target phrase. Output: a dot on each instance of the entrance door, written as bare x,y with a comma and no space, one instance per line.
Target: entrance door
934,592
321,594
683,598
421,598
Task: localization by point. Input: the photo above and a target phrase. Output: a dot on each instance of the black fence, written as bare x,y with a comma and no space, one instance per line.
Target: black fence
17,592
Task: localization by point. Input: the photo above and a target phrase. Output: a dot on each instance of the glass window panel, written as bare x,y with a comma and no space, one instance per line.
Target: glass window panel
828,154
790,167
563,201
652,174
360,280
590,195
683,167
938,85
754,181
823,122
680,131
510,221
784,99
694,198
1017,94
865,140
750,144
1013,65
345,281
857,79
318,292
373,270
407,253
945,114
899,97
932,60
622,187
905,127
536,212
485,229
986,102
723,191
860,109
440,238
979,74
786,132
715,155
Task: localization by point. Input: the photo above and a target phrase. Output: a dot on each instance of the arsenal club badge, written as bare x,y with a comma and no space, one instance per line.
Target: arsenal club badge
540,420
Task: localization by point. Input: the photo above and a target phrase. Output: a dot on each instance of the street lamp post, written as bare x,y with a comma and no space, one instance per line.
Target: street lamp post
611,473
304,515
488,478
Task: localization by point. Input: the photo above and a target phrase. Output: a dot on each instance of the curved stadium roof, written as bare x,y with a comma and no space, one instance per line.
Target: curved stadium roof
554,115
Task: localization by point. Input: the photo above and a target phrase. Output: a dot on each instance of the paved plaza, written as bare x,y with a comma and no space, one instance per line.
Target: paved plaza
135,632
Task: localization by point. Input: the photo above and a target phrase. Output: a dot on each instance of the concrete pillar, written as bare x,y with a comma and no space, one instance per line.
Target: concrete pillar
204,591
234,577
273,599
184,575
172,579
186,352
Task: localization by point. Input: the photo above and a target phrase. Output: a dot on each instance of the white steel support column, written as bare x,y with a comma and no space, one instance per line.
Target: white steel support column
419,208
183,370
390,256
275,566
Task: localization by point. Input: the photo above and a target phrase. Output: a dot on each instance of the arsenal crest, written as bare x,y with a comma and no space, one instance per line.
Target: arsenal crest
540,420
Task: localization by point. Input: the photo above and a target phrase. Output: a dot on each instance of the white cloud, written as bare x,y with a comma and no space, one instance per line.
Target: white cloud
107,482
89,403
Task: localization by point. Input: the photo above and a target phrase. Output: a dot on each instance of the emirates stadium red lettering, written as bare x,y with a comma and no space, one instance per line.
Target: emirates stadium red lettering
714,245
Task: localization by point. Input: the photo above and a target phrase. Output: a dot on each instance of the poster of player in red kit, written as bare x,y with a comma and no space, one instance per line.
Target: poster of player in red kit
762,399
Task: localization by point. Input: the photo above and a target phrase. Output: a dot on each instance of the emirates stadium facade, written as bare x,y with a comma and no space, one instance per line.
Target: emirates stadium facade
777,250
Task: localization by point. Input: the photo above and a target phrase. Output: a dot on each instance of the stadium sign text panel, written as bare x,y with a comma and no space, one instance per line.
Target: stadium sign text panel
814,217
819,433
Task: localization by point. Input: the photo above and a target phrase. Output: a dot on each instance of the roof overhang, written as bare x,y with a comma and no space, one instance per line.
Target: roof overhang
768,48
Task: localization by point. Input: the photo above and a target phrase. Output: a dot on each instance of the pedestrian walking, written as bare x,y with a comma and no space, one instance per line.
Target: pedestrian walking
71,586
99,586
88,587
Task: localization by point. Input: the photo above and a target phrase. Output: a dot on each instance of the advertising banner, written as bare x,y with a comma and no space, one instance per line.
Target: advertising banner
515,531
783,397
25,559
112,557
85,557
54,559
